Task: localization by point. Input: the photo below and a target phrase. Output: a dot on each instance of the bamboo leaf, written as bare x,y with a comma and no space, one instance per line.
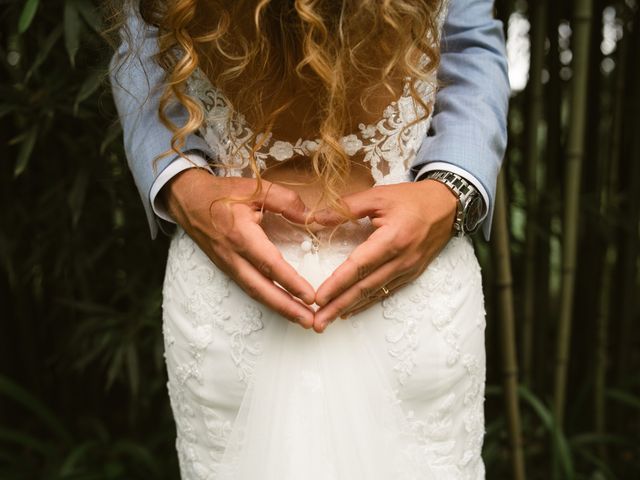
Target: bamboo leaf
44,50
26,148
605,473
90,14
5,109
88,87
72,25
77,195
24,440
133,369
114,368
15,392
113,132
545,414
74,457
139,453
27,14
624,397
599,438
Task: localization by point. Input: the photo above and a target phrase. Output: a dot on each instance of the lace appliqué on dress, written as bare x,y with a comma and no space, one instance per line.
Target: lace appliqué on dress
441,287
388,145
203,303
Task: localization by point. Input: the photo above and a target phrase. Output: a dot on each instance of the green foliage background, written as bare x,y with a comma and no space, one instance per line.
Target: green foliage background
82,379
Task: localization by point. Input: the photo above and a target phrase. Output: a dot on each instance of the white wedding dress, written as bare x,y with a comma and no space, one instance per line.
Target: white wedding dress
393,393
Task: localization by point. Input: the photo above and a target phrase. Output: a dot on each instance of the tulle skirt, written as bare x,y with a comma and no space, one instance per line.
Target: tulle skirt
395,392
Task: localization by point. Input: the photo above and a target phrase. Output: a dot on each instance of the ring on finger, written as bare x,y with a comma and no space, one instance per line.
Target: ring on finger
387,289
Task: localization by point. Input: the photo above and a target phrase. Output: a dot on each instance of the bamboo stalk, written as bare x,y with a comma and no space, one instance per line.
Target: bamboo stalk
575,155
630,244
534,149
546,299
612,160
504,284
602,341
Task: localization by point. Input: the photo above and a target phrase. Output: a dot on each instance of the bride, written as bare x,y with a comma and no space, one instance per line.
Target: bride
311,115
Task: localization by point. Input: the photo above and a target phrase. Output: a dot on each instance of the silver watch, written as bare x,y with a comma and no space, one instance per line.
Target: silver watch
470,202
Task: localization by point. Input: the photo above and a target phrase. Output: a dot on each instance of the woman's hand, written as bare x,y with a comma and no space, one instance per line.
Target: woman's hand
413,220
236,243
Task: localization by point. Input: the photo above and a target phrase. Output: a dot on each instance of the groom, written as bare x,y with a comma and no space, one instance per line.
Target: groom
454,189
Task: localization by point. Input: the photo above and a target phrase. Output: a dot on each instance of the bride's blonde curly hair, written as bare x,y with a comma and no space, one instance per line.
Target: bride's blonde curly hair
331,48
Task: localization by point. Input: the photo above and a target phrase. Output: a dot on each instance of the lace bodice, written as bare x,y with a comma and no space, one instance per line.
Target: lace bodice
388,145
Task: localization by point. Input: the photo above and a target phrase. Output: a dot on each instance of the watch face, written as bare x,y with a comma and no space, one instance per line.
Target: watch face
472,213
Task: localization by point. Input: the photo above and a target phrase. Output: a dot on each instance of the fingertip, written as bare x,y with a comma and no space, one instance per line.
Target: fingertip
321,302
320,328
326,218
309,298
304,322
293,216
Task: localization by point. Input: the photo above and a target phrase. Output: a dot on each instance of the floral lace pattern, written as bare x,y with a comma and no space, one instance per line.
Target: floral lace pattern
388,145
444,302
444,286
200,292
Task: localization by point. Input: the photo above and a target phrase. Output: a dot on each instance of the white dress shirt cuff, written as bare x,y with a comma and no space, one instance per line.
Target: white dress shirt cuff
439,165
180,164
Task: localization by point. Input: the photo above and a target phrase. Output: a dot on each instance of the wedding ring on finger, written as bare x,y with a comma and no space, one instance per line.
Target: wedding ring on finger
361,305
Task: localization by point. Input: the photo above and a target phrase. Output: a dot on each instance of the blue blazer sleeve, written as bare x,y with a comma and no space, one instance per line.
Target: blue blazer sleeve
469,126
137,82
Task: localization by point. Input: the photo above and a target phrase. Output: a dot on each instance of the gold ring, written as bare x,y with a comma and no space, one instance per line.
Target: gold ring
385,290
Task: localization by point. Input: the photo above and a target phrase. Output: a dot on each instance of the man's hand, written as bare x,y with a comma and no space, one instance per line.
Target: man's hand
413,221
231,236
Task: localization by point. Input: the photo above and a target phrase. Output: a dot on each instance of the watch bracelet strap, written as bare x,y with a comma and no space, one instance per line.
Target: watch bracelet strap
463,189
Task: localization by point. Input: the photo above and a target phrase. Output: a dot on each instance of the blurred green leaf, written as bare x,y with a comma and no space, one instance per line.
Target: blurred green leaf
75,457
606,472
113,132
600,438
27,14
15,392
45,50
140,453
624,397
560,441
90,14
88,88
26,148
133,369
72,28
77,194
6,108
25,440
115,367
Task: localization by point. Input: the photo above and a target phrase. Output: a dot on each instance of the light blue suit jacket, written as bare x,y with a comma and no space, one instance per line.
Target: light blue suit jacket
468,129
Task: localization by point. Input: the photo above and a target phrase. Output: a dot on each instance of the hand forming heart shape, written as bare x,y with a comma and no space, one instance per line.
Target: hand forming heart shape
413,222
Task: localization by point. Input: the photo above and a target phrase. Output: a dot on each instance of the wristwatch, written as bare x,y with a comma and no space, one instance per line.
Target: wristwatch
470,203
